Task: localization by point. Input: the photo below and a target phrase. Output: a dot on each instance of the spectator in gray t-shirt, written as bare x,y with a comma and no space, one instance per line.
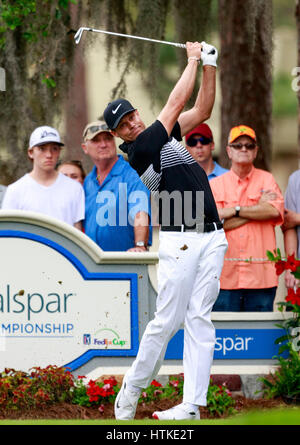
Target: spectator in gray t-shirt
291,225
2,193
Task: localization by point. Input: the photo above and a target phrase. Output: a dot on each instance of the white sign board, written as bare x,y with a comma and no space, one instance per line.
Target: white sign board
54,312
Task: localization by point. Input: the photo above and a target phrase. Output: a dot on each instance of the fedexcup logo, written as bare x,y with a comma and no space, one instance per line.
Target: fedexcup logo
104,338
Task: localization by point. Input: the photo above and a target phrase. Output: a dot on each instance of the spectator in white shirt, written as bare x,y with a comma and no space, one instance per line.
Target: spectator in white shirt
45,190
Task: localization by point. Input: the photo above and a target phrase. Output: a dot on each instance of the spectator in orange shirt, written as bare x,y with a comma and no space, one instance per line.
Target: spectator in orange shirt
251,204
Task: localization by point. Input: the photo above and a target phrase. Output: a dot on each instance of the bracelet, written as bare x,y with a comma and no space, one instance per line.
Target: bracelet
194,58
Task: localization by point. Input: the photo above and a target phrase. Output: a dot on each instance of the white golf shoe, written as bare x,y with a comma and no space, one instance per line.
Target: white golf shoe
179,412
126,403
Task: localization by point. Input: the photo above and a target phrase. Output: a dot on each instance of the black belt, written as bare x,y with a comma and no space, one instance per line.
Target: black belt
207,227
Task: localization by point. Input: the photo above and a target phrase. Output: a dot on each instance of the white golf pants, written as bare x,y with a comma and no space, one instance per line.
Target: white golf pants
189,270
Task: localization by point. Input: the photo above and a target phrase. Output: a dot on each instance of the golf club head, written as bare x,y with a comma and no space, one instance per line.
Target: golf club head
78,35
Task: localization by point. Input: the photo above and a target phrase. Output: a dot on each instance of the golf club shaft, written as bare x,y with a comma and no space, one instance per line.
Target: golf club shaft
78,35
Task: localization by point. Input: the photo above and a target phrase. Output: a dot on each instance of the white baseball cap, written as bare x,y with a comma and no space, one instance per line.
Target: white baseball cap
44,135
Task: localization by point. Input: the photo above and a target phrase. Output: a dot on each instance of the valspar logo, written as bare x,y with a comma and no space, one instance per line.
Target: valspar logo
32,303
225,345
108,339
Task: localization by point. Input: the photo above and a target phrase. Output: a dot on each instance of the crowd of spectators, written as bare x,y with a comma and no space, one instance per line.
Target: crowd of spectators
113,207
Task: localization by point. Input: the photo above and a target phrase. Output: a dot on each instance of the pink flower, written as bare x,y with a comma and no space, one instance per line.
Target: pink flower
101,409
157,392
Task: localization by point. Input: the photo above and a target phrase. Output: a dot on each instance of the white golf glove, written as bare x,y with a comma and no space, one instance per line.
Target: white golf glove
209,54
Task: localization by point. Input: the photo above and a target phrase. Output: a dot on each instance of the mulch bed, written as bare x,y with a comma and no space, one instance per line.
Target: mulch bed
69,411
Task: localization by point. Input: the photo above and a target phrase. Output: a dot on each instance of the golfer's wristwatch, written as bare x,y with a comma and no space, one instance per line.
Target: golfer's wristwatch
140,244
237,210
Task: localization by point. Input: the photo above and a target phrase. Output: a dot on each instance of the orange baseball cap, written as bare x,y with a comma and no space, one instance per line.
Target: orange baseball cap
241,130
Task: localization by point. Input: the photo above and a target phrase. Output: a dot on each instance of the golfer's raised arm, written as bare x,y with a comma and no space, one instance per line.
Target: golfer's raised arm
183,88
204,103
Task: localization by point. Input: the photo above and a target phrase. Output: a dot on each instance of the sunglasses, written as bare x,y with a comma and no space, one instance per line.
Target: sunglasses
95,128
192,142
239,146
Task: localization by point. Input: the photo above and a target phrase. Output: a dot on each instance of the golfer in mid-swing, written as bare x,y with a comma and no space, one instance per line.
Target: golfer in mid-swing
190,256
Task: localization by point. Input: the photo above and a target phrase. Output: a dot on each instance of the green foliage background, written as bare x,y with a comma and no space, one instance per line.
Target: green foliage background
37,53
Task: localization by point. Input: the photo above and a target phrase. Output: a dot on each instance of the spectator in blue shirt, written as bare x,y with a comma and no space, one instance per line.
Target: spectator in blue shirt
117,202
200,144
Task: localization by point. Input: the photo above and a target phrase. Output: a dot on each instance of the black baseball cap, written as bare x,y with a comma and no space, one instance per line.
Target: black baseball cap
115,110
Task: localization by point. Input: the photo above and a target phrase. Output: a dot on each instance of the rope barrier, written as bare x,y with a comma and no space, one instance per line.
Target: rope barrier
250,260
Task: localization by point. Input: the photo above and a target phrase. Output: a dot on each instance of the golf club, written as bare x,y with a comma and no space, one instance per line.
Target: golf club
78,35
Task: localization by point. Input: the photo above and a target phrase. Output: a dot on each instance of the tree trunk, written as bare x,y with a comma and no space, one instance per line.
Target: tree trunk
76,108
246,72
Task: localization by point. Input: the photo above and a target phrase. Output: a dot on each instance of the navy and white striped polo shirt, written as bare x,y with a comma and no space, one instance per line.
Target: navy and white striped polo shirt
164,164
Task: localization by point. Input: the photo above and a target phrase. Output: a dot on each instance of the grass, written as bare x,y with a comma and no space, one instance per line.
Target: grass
287,416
